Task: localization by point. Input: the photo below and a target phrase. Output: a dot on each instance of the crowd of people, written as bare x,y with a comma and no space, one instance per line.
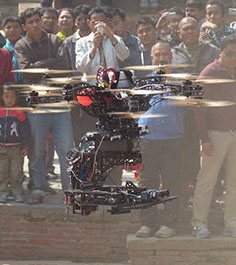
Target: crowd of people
194,40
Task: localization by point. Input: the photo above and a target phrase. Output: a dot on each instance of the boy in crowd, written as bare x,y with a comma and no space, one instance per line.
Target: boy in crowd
49,20
195,9
14,145
12,29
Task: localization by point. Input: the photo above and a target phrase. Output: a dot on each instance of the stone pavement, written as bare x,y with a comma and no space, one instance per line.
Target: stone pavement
62,262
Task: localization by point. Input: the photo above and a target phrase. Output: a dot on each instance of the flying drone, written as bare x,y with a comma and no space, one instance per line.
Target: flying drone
117,101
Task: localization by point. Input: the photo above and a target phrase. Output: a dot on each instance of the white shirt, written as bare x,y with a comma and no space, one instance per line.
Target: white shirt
112,53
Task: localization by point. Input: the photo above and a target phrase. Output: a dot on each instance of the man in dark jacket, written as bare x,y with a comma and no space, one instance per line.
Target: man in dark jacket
190,50
44,50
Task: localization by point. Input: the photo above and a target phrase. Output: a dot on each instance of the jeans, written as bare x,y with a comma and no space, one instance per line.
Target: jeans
59,124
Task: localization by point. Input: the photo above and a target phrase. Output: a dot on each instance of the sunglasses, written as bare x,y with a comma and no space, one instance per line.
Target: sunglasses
230,54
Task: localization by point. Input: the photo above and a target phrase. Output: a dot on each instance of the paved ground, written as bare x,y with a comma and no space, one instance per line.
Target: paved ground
63,262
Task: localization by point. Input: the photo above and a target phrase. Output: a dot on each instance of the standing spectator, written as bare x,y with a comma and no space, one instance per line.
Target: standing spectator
101,47
66,23
146,32
83,30
49,17
217,133
195,9
119,27
14,145
193,52
169,23
161,160
12,29
6,67
82,122
41,49
49,20
214,29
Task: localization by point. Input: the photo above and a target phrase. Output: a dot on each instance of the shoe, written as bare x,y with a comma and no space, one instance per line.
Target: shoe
49,190
3,198
35,197
165,232
201,231
144,232
18,198
52,175
228,231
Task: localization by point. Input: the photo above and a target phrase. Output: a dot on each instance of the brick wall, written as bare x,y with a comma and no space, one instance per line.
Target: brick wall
182,251
42,233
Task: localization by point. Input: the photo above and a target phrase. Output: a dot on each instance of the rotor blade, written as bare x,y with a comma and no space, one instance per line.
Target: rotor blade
135,115
156,67
213,81
195,102
44,71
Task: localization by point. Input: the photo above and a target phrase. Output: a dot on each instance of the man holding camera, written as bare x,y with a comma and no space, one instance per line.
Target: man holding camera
101,47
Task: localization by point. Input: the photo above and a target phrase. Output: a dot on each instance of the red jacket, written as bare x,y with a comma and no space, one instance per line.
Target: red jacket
6,67
14,127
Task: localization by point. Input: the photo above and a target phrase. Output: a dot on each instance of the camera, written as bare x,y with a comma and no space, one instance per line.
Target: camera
100,30
171,15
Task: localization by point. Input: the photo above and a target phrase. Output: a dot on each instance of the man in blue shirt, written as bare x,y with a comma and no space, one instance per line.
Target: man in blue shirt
161,155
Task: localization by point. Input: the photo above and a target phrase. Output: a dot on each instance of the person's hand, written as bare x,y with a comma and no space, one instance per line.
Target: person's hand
204,35
106,29
162,21
207,148
24,152
208,26
97,40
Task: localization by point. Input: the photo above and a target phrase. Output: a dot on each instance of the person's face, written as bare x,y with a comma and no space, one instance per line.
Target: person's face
161,54
146,34
95,19
65,20
49,21
214,15
12,31
228,56
33,25
9,98
174,24
118,25
189,33
194,12
81,22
